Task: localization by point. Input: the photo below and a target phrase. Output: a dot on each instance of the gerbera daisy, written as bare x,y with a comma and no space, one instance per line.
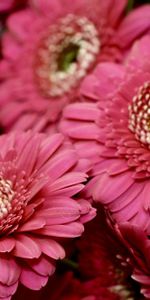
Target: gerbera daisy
38,178
118,133
102,267
6,5
44,63
137,242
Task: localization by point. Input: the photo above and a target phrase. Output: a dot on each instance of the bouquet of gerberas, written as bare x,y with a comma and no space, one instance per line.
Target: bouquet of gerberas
74,150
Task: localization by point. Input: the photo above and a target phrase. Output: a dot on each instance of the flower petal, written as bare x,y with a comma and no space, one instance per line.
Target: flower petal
32,280
68,230
26,247
35,223
134,25
51,248
42,266
6,244
9,271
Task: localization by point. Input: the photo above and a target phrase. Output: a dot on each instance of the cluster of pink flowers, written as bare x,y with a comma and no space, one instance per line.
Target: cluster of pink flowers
74,150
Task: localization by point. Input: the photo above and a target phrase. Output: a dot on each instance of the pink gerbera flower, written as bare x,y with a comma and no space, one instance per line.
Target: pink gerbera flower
117,131
102,269
44,63
38,178
6,5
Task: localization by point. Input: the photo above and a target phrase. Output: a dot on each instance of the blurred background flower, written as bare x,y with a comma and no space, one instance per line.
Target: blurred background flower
81,68
44,63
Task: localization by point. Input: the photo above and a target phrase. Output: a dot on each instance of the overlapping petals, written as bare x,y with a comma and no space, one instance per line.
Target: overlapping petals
121,171
102,271
38,179
44,64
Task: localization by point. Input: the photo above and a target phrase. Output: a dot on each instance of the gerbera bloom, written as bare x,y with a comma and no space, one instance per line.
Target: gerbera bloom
107,264
45,63
6,5
119,127
103,269
136,240
38,178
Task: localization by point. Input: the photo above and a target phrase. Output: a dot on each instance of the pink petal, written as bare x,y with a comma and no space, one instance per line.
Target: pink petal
51,248
37,186
68,230
47,7
7,291
49,146
58,215
108,188
68,191
11,48
116,10
6,244
71,178
19,24
9,271
42,266
32,280
134,59
89,87
88,111
103,81
81,130
6,4
134,25
61,201
26,247
35,223
29,154
60,164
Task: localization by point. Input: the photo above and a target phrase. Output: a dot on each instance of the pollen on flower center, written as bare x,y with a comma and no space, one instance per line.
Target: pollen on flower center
139,114
66,54
6,197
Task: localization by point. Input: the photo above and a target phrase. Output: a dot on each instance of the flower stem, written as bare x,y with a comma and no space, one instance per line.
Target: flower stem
130,6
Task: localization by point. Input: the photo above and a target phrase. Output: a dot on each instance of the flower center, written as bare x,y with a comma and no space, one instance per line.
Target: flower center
6,197
66,55
139,114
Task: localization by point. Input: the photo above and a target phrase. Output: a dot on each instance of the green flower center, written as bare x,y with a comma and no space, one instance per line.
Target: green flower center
68,56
